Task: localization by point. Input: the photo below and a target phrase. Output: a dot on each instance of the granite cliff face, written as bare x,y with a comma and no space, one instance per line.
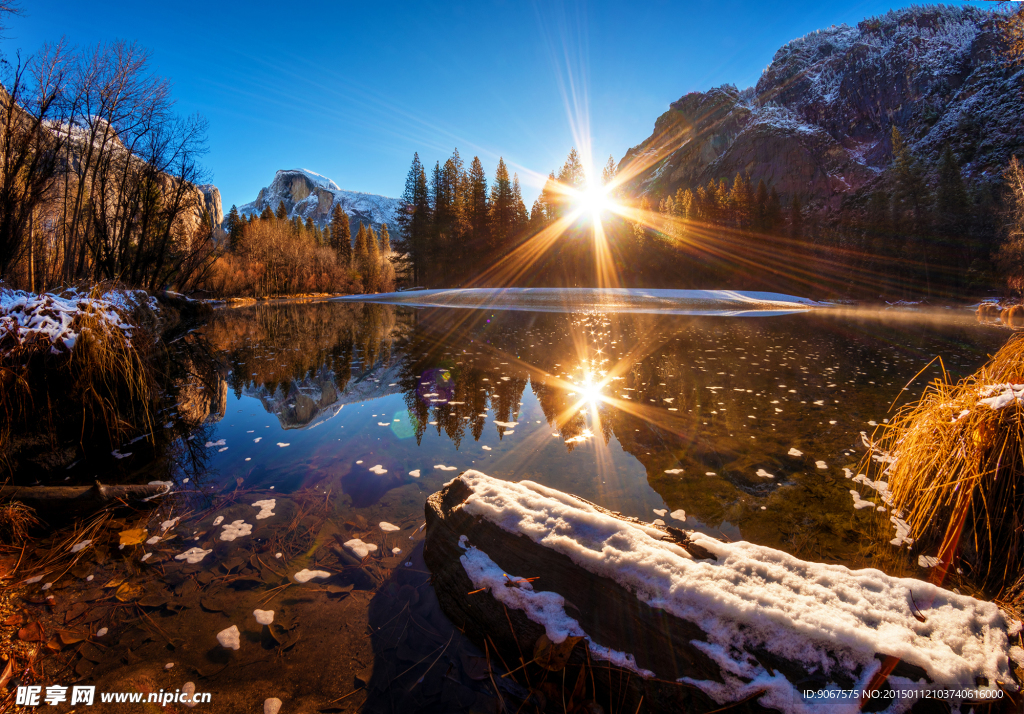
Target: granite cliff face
818,123
309,195
211,202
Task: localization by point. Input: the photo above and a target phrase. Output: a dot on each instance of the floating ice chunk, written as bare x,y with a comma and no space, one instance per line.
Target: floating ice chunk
305,575
358,548
660,511
442,467
218,520
927,561
360,461
388,527
379,470
486,448
383,423
794,452
266,507
508,424
145,557
168,525
764,474
847,472
272,706
80,546
230,638
902,532
679,515
710,473
169,665
257,439
821,465
673,471
859,502
236,529
154,540
47,586
264,617
223,448
102,631
193,555
118,455
283,444
415,473
657,522
396,551
211,444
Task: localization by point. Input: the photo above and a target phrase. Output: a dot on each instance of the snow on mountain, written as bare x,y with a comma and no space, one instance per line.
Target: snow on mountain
818,122
307,194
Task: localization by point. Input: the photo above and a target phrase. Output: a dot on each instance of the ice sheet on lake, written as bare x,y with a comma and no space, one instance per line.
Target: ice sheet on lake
627,300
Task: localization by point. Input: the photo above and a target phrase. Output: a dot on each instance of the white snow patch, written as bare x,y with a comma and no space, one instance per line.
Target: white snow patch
230,638
266,507
193,555
264,617
358,548
305,575
236,529
751,597
388,527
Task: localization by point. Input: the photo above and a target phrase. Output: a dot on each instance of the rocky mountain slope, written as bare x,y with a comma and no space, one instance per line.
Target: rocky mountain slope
309,195
819,121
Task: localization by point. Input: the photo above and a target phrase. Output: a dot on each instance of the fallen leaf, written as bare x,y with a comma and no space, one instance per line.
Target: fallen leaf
552,656
128,592
134,536
31,633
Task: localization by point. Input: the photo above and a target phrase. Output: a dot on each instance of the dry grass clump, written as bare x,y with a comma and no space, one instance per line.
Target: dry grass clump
16,521
958,470
93,395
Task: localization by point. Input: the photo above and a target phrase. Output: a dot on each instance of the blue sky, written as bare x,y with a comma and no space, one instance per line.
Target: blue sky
351,90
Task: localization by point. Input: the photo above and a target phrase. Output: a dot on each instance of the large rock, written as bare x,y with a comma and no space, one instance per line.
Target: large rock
818,123
309,195
659,606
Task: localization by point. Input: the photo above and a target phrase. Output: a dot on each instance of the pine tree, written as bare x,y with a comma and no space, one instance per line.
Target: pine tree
520,217
387,280
477,209
796,219
502,211
267,213
234,223
760,209
360,256
371,278
341,236
310,227
609,171
282,212
572,174
414,221
773,213
951,200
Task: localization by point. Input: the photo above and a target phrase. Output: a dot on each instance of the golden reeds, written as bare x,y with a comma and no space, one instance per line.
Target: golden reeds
955,460
94,394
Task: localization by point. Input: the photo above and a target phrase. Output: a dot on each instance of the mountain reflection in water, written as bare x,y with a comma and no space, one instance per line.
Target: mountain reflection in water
690,414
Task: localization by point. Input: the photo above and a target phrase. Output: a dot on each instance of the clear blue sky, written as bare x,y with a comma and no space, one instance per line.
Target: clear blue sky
351,90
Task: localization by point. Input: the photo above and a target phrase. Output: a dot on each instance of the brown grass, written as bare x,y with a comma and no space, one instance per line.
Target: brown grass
94,395
958,467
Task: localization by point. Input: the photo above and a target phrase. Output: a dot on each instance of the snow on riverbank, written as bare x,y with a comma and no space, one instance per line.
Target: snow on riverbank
637,300
27,318
827,617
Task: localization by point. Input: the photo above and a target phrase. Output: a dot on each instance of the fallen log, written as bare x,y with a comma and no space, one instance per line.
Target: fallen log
687,623
81,496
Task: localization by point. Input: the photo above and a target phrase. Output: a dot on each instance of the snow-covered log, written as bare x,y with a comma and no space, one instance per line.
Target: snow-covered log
694,622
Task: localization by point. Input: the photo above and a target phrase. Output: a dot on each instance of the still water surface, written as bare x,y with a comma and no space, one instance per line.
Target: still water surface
638,413
292,429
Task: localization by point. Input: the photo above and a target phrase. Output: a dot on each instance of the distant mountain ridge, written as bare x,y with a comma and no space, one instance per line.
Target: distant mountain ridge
307,194
818,122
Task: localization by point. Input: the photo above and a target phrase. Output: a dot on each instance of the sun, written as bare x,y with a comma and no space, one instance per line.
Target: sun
594,200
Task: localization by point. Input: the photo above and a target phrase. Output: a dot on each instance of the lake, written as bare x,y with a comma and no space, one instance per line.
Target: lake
292,429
